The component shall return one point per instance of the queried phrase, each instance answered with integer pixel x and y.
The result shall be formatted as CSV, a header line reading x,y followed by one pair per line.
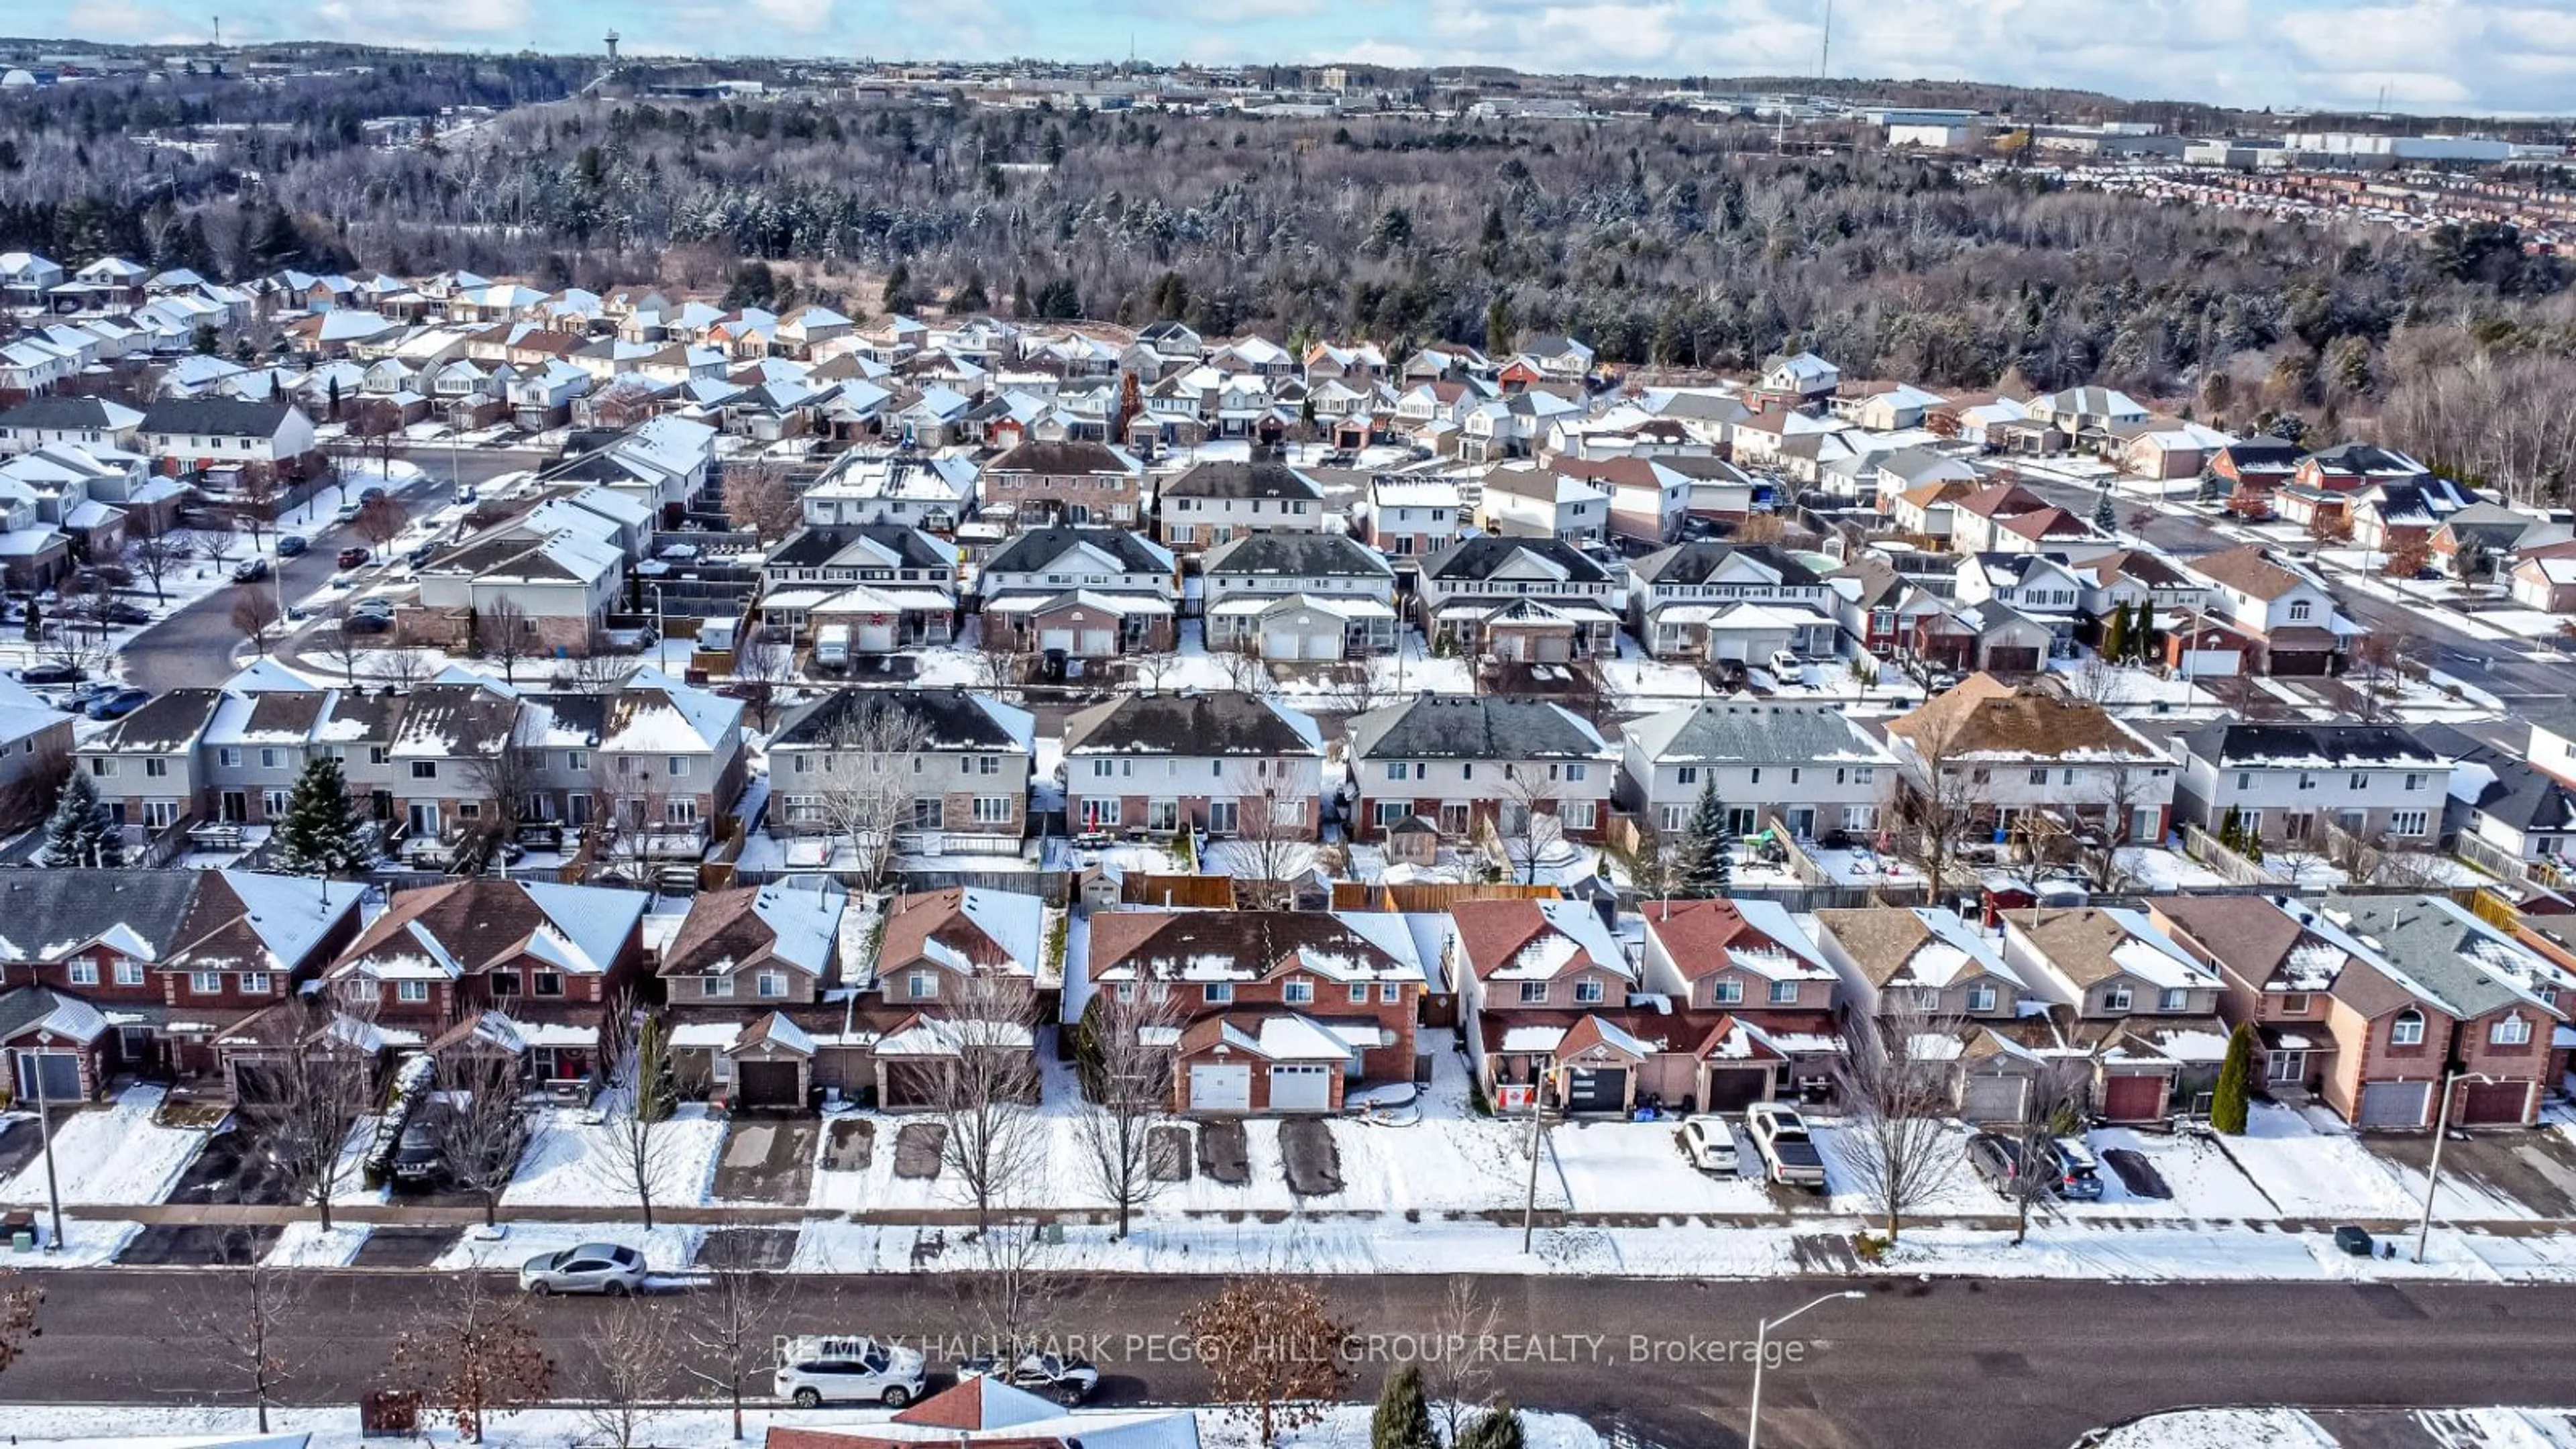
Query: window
x,y
377,754
1399,769
927,812
683,811
1359,993
2116,999
676,766
2039,777
921,985
1981,998
1218,993
2301,611
716,986
1103,769
2174,999
1728,991
255,982
1390,993
273,801
84,973
129,973
1687,774
2407,1029
2406,822
1576,814
2414,782
992,810
2513,1031
102,767
1298,992
230,757
505,983
411,991
549,983
1784,993
2245,779
1574,772
772,985
1533,993
2294,1003
160,814
272,759
424,769
580,760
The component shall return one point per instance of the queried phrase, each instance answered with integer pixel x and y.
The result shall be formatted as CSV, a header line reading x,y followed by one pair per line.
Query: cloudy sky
x,y
2428,55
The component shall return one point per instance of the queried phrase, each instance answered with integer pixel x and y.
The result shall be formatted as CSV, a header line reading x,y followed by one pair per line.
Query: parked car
x,y
1789,1155
52,674
418,1154
250,571
354,557
421,555
466,494
369,495
346,513
1786,667
1997,1159
363,623
2079,1175
1055,1375
292,545
609,1268
847,1369
118,611
119,704
378,607
1710,1141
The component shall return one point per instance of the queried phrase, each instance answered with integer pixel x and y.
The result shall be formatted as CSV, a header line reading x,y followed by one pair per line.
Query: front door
x,y
235,807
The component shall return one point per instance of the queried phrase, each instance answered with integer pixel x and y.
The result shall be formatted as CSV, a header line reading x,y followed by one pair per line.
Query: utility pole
x,y
1529,1201
45,1131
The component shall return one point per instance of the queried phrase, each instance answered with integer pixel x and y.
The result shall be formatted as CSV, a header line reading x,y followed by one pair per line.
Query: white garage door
x,y
2395,1104
1220,1089
1992,1099
1281,644
1056,639
1099,643
1301,1089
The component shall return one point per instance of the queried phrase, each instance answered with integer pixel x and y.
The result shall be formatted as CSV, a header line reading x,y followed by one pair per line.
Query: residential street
x,y
195,645
1976,1365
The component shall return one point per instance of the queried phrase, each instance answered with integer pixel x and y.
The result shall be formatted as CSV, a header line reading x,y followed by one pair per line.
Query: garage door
x,y
2395,1104
1596,1089
2495,1102
915,1084
1281,644
2134,1098
1301,1089
1731,1091
1056,639
1220,1089
1994,1099
768,1084
1099,643
60,1072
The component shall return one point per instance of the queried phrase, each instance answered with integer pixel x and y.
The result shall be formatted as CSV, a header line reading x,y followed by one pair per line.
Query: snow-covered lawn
x,y
575,1161
2205,1184
2315,1172
2221,1429
1961,1191
1638,1167
310,1245
87,1243
113,1156
2157,871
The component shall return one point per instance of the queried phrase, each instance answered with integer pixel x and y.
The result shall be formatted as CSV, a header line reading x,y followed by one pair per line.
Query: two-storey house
x,y
1412,518
2291,784
2507,999
1088,593
1470,764
1299,596
1207,504
537,951
2142,1007
1806,768
1729,601
1541,500
1534,600
2286,613
1222,764
1040,484
970,790
934,494
744,967
2000,752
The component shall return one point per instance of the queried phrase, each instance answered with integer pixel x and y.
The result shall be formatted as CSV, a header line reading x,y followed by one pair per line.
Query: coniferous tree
x,y
1708,859
1497,1428
1403,1418
2231,830
2228,1106
80,832
319,835
2115,636
2105,517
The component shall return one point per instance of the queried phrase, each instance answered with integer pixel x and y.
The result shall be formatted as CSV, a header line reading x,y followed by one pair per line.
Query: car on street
x,y
292,545
369,494
610,1268
354,557
250,571
421,555
1058,1376
52,674
119,704
346,513
847,1369
1789,1155
1710,1141
118,611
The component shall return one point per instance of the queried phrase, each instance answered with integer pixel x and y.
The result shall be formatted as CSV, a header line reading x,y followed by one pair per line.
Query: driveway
x,y
2534,1168
767,1160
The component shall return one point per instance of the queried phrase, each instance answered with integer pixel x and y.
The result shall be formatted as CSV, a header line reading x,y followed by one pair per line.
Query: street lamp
x,y
1761,1351
2433,1173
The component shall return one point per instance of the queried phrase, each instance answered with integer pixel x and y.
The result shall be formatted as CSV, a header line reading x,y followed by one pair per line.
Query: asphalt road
x,y
195,645
1976,1365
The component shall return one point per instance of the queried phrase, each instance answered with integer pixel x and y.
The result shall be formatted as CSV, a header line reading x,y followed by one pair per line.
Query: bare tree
x,y
599,666
340,643
506,778
731,1321
1271,1348
254,613
380,521
2375,676
317,1063
639,1096
1655,869
403,668
756,497
244,1331
994,1145
217,537
1273,843
1528,825
1125,1057
867,785
473,1354
1894,1083
255,509
1000,660
762,666
1152,664
483,1125
1458,1382
2124,791
1363,684
157,557
1014,1288
1934,801
1240,659
2046,1107
634,1357
2095,681
505,634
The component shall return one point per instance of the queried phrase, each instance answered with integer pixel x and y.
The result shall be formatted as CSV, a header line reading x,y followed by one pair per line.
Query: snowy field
x,y
2221,1429
574,1162
115,1157
2310,1170
126,1426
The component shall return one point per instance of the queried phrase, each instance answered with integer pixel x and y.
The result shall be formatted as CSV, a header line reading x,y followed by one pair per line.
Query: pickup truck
x,y
1789,1155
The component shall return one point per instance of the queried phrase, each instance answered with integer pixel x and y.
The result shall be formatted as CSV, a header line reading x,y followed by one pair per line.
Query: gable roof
x,y
1535,940
1186,945
1297,555
1984,718
1729,731
216,416
1704,937
2251,570
1034,550
44,915
1227,724
953,718
1475,727
1228,478
1479,558
1698,562
1898,946
458,930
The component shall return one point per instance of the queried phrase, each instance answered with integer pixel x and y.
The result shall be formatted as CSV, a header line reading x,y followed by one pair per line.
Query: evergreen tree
x,y
2231,830
2115,636
319,834
970,298
1497,1428
1403,1419
1708,857
2212,487
2144,644
80,832
898,289
2105,517
2227,1106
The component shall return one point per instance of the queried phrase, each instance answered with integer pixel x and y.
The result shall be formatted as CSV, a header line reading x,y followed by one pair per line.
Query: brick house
x,y
739,957
2006,753
1073,482
1220,764
1470,763
1209,503
1280,1011
2126,995
540,952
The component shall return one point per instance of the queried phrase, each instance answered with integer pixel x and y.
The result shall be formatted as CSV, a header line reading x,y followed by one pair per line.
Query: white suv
x,y
847,1370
